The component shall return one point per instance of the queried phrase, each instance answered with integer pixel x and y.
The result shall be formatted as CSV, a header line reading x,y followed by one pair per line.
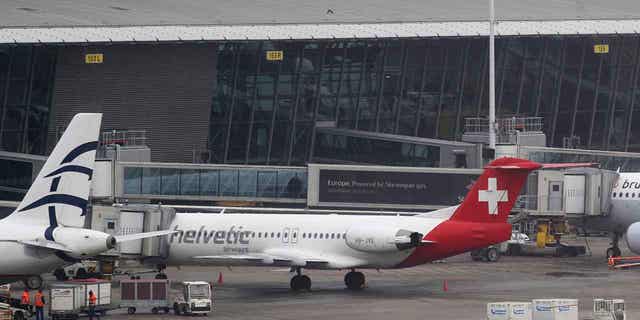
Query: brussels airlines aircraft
x,y
46,230
353,242
624,214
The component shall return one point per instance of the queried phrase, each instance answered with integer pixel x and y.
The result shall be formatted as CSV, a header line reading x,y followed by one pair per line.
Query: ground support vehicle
x,y
196,298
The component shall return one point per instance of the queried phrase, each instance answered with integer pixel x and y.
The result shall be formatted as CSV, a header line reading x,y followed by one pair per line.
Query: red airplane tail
x,y
494,193
481,219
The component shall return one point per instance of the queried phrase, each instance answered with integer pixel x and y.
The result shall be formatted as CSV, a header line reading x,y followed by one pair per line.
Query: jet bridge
x,y
571,193
134,218
555,197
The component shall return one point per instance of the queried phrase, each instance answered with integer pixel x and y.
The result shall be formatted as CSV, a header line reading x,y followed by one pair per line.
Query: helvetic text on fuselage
x,y
233,236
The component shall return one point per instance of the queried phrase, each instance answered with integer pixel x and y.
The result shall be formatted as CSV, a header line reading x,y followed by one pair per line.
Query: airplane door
x,y
285,235
294,235
555,196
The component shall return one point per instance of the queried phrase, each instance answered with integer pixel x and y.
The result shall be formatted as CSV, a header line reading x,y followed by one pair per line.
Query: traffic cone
x,y
220,281
445,286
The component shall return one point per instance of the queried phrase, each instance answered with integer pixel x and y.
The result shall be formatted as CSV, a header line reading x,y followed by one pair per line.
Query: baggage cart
x,y
66,301
149,294
102,290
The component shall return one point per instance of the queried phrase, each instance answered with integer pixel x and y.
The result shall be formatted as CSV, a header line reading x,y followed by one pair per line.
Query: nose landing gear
x,y
300,281
614,250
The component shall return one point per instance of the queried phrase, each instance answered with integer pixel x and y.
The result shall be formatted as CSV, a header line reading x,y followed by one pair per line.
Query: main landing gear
x,y
300,281
354,280
614,250
161,275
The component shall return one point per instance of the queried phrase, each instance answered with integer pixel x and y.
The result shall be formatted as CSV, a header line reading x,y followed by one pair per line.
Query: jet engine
x,y
633,237
84,242
382,239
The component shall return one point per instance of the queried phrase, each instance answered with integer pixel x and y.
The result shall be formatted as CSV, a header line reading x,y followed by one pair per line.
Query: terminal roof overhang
x,y
329,31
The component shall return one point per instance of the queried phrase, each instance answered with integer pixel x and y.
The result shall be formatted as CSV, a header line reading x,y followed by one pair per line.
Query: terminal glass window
x,y
269,111
335,147
26,85
219,184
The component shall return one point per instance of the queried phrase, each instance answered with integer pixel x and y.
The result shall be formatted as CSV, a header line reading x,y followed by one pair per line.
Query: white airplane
x,y
349,241
46,230
624,214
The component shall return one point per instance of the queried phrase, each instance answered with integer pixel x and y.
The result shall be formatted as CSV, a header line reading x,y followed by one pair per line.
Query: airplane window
x,y
333,236
295,235
326,235
272,234
614,194
315,235
304,235
286,234
337,236
344,236
278,234
321,236
627,195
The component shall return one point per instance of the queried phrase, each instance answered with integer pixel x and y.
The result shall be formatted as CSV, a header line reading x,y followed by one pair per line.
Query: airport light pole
x,y
492,77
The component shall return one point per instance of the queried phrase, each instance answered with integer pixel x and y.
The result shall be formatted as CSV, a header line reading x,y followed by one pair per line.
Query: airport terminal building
x,y
290,84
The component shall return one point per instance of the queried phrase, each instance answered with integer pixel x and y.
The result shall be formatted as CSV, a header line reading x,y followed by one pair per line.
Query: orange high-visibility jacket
x,y
25,298
39,303
92,299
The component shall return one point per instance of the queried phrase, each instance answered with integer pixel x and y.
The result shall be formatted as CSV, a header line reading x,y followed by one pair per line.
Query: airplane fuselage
x,y
625,202
318,237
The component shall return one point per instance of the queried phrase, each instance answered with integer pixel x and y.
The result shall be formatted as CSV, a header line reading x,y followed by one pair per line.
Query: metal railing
x,y
504,125
124,137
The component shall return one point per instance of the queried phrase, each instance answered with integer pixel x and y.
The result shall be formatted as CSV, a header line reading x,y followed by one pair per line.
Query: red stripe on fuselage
x,y
454,237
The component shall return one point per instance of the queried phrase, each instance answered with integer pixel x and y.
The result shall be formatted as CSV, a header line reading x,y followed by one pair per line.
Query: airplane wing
x,y
46,244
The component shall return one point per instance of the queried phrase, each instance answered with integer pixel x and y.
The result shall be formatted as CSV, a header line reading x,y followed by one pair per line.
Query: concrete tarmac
x,y
414,293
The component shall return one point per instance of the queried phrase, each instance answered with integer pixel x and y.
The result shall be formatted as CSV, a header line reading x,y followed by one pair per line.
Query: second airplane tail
x,y
60,192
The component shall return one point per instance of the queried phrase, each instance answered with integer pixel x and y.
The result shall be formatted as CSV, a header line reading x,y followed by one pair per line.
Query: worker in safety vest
x,y
39,303
92,305
25,300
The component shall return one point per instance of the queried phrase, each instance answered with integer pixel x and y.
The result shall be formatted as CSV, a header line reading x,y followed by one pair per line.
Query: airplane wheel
x,y
33,282
161,276
176,309
131,310
18,316
305,282
493,255
60,274
613,252
296,283
354,280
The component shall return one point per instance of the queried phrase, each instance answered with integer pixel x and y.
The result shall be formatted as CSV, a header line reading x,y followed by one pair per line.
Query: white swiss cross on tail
x,y
492,196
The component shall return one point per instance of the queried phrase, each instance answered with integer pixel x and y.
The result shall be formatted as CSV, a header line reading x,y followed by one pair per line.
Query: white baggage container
x,y
101,288
555,309
65,300
609,309
509,311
